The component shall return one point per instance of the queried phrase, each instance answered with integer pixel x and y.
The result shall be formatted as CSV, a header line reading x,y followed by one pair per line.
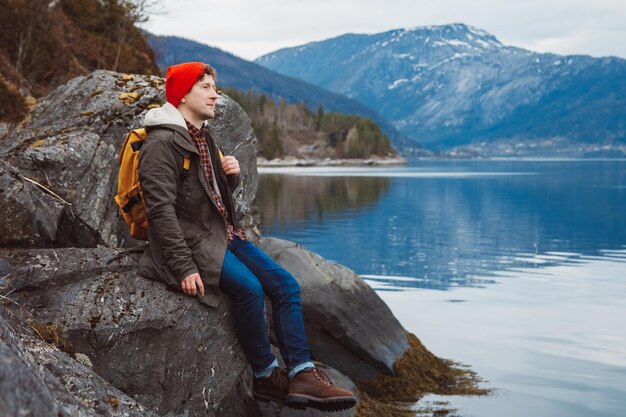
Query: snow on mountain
x,y
451,85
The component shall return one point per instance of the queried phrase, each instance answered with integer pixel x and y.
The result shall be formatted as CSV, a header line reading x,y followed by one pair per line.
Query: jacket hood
x,y
164,115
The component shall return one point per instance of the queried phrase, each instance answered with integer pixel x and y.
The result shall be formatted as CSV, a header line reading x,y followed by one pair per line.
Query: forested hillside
x,y
45,43
295,130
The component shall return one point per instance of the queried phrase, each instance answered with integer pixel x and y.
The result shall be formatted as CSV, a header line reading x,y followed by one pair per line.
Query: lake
x,y
514,267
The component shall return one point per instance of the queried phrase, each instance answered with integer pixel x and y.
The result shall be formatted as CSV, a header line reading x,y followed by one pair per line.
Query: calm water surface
x,y
517,268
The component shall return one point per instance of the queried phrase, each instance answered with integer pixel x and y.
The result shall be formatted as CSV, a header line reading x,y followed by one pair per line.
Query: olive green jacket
x,y
186,232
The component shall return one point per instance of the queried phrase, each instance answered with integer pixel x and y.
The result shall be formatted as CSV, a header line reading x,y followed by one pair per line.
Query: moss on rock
x,y
417,372
369,407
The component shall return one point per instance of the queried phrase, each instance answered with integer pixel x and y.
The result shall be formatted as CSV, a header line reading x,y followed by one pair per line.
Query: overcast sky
x,y
251,28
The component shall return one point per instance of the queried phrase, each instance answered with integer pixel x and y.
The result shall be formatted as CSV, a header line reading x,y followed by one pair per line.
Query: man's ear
x,y
182,100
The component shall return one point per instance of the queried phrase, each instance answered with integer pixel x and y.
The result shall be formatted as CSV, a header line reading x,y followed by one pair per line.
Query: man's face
x,y
201,99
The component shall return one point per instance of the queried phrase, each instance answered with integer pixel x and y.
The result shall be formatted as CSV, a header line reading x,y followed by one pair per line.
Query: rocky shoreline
x,y
83,334
329,162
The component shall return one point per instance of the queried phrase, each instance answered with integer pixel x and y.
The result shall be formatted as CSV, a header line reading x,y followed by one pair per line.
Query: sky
x,y
252,28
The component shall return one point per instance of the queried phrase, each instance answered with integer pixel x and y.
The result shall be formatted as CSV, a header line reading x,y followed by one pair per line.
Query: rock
x,y
291,161
32,215
348,326
39,380
168,351
70,146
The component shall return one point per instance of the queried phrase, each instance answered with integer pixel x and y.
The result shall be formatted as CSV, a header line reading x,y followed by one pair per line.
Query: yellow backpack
x,y
129,196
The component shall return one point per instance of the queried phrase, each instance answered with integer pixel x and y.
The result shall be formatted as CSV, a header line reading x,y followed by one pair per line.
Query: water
x,y
517,268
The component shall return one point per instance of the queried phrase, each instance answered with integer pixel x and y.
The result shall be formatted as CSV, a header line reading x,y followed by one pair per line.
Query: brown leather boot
x,y
271,388
313,388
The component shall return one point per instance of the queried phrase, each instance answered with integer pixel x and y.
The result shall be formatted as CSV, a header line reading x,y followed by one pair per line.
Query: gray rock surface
x,y
39,380
70,146
30,215
167,350
348,326
174,355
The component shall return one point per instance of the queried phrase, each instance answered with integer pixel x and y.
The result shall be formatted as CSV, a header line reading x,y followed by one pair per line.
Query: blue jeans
x,y
247,275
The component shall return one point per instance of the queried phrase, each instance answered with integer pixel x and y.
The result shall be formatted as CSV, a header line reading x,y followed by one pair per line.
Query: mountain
x,y
238,73
452,85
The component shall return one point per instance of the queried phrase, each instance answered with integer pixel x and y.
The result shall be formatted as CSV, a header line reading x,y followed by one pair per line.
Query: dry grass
x,y
51,333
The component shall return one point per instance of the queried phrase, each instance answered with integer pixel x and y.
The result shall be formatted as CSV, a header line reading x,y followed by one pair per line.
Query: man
x,y
196,245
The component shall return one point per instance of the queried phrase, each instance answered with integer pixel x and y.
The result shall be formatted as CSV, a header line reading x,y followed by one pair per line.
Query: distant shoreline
x,y
521,158
328,162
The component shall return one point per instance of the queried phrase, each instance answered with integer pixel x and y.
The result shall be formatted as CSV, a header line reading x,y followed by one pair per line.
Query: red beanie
x,y
180,78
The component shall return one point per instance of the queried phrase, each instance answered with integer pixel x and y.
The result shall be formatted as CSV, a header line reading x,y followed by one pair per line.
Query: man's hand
x,y
189,285
230,165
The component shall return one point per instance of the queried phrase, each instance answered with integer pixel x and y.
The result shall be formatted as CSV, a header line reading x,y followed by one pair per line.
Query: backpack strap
x,y
186,165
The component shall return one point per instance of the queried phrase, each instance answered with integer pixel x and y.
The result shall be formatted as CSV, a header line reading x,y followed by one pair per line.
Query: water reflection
x,y
551,340
548,334
286,200
438,231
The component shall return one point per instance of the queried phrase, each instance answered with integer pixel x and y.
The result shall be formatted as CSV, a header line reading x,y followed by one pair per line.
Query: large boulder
x,y
39,380
348,326
58,187
175,355
168,351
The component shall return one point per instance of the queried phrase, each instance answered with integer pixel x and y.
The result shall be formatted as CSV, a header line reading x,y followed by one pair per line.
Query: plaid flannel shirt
x,y
199,139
